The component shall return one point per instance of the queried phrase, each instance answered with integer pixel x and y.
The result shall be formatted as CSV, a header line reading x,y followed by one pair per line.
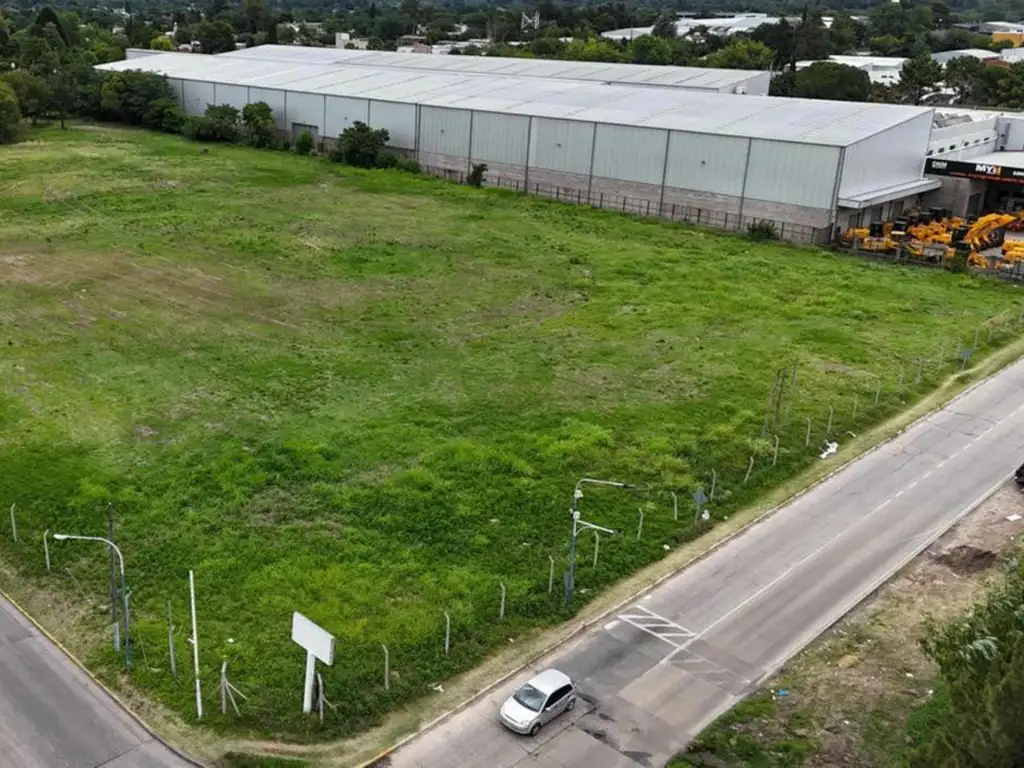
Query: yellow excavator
x,y
987,232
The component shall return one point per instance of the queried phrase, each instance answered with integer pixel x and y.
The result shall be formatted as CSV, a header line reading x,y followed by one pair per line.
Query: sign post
x,y
319,644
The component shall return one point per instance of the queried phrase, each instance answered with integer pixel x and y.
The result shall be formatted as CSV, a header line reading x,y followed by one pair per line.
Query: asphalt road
x,y
666,666
52,715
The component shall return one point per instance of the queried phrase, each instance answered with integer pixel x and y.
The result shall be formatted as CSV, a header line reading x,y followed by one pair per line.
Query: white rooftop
x,y
977,53
832,123
894,62
634,74
727,25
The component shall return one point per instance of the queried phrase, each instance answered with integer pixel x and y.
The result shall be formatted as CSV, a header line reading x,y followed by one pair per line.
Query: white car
x,y
538,702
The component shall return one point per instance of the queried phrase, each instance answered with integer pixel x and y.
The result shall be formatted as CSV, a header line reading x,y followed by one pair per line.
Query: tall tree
x,y
664,25
741,54
919,76
966,76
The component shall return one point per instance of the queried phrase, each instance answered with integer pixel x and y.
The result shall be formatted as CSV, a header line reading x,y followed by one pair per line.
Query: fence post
x,y
501,611
170,641
673,211
447,632
387,668
551,574
597,546
831,413
807,440
675,504
14,523
46,548
775,453
640,526
714,483
750,468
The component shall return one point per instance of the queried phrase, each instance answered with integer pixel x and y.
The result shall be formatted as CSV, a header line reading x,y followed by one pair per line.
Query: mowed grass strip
x,y
366,396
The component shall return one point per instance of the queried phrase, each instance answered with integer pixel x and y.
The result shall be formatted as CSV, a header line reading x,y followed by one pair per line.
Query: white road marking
x,y
664,629
611,624
789,571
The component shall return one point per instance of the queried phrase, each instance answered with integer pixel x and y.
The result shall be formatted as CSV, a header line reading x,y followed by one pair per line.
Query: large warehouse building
x,y
722,159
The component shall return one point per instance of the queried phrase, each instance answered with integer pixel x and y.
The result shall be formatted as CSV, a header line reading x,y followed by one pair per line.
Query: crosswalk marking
x,y
664,629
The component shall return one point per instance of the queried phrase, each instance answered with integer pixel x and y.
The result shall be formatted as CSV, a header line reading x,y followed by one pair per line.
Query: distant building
x,y
944,57
882,70
721,26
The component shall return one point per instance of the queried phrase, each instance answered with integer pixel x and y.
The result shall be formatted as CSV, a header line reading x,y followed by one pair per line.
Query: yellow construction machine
x,y
937,237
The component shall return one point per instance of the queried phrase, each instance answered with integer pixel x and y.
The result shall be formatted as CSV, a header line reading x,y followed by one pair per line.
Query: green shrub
x,y
10,115
164,115
477,175
127,96
762,230
304,144
224,120
409,164
258,119
286,144
199,128
359,145
387,160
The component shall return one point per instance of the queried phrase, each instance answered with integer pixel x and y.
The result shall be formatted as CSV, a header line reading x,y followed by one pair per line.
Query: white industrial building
x,y
721,159
882,70
723,26
742,81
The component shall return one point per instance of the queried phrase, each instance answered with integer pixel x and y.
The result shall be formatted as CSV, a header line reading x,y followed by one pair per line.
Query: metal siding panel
x,y
305,109
342,112
705,163
179,91
274,100
235,95
561,145
634,154
399,119
796,174
444,131
889,159
197,97
500,138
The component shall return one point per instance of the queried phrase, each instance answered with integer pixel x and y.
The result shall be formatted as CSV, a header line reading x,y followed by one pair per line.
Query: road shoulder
x,y
860,694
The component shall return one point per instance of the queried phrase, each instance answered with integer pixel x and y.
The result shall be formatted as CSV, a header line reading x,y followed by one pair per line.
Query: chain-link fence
x,y
643,206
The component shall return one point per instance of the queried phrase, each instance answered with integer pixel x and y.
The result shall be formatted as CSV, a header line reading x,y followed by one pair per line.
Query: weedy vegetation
x,y
367,395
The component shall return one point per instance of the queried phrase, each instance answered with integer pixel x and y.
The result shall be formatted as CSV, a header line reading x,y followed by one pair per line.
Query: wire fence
x,y
644,206
798,428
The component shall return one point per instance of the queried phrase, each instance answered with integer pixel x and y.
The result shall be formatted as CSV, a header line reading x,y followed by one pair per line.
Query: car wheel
x,y
535,729
572,703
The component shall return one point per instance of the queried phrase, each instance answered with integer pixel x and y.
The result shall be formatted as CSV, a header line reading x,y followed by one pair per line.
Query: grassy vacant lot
x,y
367,396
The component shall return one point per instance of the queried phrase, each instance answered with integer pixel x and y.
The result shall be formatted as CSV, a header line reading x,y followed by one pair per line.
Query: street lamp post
x,y
578,524
124,589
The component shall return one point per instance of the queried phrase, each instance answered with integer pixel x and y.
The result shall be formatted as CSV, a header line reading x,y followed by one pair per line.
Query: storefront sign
x,y
977,171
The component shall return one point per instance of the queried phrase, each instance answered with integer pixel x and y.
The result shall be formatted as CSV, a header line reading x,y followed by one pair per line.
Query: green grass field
x,y
366,396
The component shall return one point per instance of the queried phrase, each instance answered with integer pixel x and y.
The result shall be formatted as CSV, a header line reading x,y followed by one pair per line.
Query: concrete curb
x,y
600,619
101,685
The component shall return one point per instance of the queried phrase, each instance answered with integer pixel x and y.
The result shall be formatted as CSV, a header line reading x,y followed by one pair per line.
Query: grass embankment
x,y
367,396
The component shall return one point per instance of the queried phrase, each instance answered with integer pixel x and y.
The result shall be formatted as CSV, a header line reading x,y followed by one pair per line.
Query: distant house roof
x,y
978,53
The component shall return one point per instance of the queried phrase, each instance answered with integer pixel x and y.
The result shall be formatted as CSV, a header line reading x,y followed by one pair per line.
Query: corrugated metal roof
x,y
681,77
833,123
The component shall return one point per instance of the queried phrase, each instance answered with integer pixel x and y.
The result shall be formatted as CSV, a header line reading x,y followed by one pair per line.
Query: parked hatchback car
x,y
538,702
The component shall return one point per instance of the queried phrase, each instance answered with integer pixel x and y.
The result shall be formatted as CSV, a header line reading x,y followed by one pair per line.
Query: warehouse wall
x,y
721,181
887,159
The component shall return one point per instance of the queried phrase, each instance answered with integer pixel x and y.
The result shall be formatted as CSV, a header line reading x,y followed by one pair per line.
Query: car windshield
x,y
530,698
